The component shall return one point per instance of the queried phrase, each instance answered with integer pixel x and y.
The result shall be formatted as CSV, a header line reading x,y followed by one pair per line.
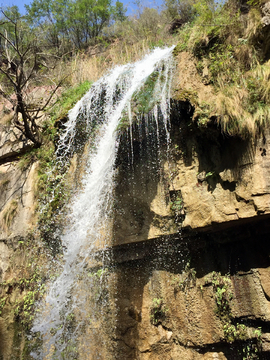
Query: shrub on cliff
x,y
229,43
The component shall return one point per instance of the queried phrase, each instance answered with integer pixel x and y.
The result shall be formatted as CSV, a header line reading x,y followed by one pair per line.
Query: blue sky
x,y
129,4
19,3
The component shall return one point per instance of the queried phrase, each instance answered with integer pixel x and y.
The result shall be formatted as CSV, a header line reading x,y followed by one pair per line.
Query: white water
x,y
89,210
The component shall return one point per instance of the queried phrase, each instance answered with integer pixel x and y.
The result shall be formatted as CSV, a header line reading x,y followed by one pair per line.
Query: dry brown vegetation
x,y
231,47
8,214
129,41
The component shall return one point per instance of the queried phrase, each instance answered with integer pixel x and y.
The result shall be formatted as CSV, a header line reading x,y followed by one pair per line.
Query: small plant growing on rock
x,y
189,279
177,206
158,311
222,293
235,332
250,338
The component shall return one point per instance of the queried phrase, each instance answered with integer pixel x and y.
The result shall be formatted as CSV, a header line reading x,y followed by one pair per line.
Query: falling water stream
x,y
88,227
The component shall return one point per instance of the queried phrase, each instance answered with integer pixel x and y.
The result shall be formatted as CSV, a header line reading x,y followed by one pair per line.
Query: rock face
x,y
171,283
18,259
191,244
17,199
189,262
211,177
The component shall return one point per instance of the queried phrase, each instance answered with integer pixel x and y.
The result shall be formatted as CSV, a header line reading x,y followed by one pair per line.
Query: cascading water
x,y
102,108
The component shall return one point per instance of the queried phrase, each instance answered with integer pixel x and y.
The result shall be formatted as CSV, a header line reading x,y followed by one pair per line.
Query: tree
x,y
76,22
181,9
22,61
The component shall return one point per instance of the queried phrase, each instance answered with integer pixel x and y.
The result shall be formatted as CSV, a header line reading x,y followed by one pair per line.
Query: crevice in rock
x,y
260,194
127,329
253,322
231,351
145,351
117,340
228,185
165,327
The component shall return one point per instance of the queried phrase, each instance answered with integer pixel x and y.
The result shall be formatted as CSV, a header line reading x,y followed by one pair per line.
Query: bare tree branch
x,y
22,57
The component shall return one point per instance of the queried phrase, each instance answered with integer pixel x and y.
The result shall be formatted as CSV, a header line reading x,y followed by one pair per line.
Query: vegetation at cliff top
x,y
61,44
231,50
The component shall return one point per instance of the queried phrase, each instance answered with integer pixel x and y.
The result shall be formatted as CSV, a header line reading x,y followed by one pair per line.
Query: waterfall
x,y
104,107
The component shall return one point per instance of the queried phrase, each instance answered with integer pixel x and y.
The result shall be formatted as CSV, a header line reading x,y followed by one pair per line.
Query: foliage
x,y
68,99
222,292
147,29
2,303
148,23
78,22
251,339
158,311
184,9
144,99
176,205
225,42
234,332
99,280
189,277
27,282
25,308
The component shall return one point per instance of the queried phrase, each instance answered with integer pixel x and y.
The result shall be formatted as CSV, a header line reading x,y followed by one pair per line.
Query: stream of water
x,y
89,219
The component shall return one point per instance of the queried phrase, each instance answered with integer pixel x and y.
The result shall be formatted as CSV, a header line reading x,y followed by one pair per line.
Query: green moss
x,y
68,99
143,100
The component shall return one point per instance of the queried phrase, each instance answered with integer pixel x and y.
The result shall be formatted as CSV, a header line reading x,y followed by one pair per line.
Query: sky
x,y
19,3
131,7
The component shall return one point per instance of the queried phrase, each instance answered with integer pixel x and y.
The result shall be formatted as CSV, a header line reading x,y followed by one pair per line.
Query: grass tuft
x,y
9,213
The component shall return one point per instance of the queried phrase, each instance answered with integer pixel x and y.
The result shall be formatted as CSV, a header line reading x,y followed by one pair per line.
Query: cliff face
x,y
191,240
189,257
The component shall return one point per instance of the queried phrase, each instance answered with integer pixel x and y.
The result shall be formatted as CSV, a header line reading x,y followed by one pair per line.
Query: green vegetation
x,y
250,338
186,280
68,99
77,22
189,279
25,307
158,311
2,304
52,188
99,282
27,285
223,294
230,47
144,100
176,204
